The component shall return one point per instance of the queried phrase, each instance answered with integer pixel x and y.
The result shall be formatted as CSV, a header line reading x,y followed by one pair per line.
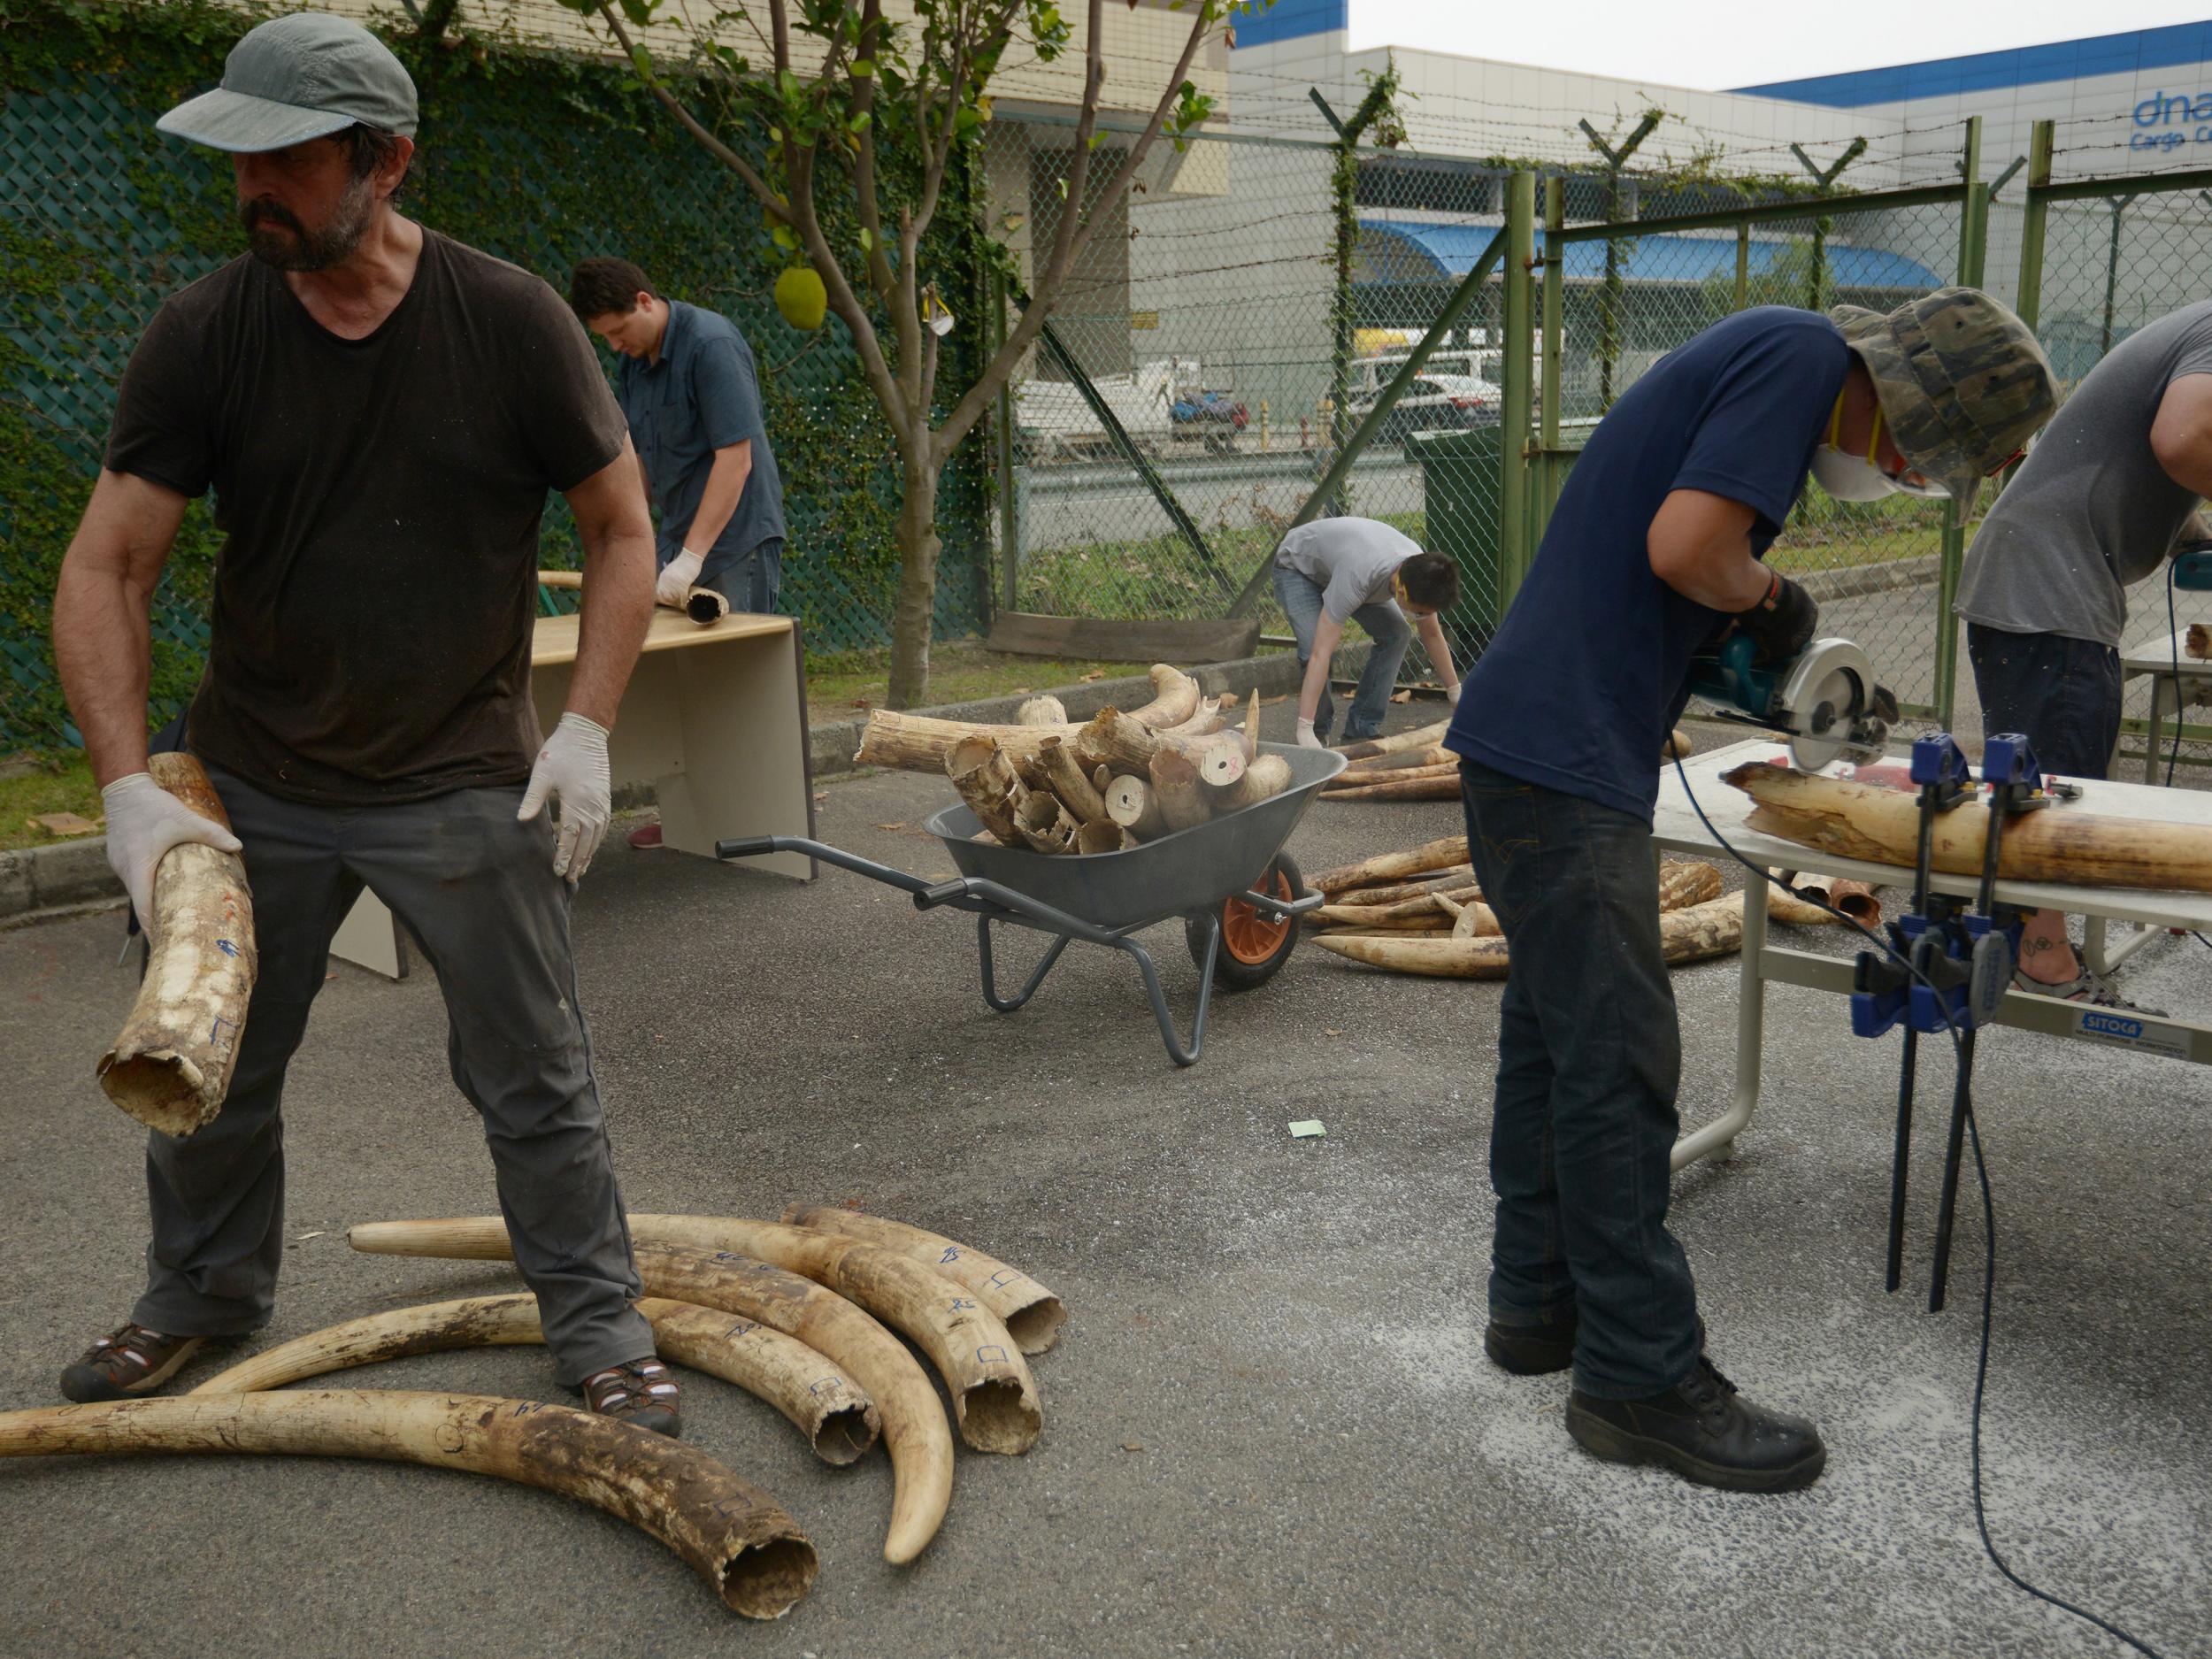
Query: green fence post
x,y
1743,267
1554,350
1973,242
1003,442
2033,219
1513,546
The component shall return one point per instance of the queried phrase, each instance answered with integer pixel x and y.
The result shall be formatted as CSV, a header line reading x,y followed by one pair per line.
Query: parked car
x,y
1434,401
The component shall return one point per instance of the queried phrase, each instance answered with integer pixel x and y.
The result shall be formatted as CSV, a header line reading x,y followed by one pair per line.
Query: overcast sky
x,y
1711,44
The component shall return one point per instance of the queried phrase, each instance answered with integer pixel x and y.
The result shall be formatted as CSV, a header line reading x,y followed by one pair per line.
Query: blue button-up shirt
x,y
703,395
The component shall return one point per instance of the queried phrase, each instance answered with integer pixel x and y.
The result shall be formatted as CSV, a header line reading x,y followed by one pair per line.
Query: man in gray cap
x,y
380,412
1656,547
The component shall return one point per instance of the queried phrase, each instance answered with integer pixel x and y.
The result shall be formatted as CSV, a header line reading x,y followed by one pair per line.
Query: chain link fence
x,y
539,162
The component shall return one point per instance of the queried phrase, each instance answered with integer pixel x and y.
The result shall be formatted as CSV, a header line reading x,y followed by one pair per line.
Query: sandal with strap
x,y
2085,987
129,1360
642,1394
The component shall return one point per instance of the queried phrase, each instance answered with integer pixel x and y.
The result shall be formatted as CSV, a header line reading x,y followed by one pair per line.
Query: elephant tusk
x,y
1034,1314
731,1533
914,1430
826,1405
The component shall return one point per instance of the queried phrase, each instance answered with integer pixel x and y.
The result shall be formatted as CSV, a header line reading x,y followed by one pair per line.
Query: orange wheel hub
x,y
1251,937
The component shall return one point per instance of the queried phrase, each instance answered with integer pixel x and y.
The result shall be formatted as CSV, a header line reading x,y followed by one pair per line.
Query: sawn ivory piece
x,y
1033,1314
918,743
170,1068
732,1533
828,1407
1855,820
914,1430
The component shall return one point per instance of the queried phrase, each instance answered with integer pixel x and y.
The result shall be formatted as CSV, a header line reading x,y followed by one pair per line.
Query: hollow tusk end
x,y
767,1580
844,1436
1000,1415
1036,1328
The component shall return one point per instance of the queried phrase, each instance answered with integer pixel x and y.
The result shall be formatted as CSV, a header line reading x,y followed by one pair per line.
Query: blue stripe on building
x,y
1413,251
1983,72
1288,19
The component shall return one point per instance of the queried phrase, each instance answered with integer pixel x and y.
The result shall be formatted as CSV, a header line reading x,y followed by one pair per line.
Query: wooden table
x,y
1676,825
714,718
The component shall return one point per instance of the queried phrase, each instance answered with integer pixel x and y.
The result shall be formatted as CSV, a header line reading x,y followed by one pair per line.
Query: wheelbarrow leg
x,y
1006,1005
1176,1051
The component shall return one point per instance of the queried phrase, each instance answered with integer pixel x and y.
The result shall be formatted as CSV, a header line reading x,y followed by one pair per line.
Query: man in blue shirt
x,y
1654,549
692,396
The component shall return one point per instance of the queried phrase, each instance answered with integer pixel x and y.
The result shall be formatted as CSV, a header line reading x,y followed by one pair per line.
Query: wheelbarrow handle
x,y
753,846
929,898
1282,910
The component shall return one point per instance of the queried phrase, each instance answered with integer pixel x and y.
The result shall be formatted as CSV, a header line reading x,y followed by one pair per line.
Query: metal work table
x,y
1675,826
2178,679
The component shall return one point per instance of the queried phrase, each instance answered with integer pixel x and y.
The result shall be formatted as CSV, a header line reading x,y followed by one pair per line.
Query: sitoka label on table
x,y
2124,1031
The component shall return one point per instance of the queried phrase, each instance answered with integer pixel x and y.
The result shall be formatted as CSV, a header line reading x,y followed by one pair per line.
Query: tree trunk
x,y
916,535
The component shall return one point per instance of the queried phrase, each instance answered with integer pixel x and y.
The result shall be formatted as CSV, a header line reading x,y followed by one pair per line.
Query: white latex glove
x,y
572,769
144,822
1306,739
678,578
1451,696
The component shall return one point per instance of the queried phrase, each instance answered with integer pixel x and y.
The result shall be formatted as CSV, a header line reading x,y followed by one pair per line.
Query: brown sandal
x,y
130,1360
642,1394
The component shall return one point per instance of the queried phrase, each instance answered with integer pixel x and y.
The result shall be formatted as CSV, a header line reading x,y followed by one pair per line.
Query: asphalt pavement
x,y
1270,1428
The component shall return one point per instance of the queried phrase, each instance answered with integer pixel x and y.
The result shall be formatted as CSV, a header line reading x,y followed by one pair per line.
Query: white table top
x,y
1676,825
2159,656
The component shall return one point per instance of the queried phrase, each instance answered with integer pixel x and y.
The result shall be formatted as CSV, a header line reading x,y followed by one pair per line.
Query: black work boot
x,y
1704,1430
1532,1350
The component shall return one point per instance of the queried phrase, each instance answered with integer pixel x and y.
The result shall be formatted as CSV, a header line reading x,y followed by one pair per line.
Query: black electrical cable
x,y
1989,1219
2173,645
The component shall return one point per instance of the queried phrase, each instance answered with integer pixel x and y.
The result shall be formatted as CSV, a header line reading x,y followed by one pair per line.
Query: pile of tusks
x,y
1421,911
800,1313
1102,786
1416,766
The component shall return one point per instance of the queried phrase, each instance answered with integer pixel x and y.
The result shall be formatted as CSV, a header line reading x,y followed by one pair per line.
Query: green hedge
x,y
539,158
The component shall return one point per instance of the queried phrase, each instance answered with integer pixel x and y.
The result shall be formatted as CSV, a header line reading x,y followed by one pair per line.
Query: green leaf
x,y
867,240
862,67
640,12
860,122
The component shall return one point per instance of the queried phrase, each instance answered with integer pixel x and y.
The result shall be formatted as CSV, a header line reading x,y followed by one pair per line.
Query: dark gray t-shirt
x,y
1350,560
2091,511
380,499
703,395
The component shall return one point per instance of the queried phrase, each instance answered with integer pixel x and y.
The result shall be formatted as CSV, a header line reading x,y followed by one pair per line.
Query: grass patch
x,y
845,685
47,786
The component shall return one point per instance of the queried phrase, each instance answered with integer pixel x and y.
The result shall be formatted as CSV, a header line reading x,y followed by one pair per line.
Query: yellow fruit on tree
x,y
801,297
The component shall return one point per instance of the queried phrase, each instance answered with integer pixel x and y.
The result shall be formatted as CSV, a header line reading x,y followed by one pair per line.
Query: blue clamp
x,y
2007,759
1940,764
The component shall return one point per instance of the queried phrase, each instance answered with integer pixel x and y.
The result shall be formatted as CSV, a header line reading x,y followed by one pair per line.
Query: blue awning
x,y
1406,251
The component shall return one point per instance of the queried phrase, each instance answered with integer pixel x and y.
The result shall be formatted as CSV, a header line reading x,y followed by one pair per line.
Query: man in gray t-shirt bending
x,y
2099,503
1336,571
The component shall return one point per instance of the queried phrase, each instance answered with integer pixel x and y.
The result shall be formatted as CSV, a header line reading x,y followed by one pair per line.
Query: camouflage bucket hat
x,y
1962,382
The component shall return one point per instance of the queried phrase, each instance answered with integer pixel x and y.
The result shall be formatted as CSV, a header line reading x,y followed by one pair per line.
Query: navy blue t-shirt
x,y
703,395
1591,666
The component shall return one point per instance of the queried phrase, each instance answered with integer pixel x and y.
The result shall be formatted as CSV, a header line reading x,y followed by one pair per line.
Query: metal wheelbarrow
x,y
1238,892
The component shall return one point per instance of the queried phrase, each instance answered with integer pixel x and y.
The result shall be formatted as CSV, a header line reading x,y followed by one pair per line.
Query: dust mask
x,y
1851,477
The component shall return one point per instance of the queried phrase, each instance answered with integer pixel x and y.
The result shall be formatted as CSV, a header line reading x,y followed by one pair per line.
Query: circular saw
x,y
1826,700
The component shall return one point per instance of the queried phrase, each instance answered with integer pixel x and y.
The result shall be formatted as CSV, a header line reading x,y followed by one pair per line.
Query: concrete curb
x,y
1872,579
36,882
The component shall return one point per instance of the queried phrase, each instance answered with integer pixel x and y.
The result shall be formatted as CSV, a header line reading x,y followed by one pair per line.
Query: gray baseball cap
x,y
295,78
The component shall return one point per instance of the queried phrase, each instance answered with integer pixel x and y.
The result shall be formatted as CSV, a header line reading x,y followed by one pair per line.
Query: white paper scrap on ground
x,y
1307,1128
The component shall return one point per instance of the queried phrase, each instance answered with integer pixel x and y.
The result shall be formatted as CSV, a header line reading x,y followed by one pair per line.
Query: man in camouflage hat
x,y
1655,548
2108,496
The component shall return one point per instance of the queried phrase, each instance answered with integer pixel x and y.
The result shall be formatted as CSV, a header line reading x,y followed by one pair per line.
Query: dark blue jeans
x,y
2062,694
752,581
1589,1056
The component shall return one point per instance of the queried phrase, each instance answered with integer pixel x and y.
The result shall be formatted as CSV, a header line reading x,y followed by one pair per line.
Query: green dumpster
x,y
1460,475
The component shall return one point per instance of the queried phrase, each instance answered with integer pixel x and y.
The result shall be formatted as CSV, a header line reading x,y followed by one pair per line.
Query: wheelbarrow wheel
x,y
1254,947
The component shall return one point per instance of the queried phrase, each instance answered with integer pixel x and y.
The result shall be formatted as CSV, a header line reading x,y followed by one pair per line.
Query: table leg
x,y
2163,686
1719,1136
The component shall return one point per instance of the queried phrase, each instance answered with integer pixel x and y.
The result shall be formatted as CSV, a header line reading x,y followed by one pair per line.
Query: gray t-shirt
x,y
1350,560
2091,511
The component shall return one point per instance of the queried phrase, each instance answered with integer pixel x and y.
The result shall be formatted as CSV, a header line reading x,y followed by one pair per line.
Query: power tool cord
x,y
1989,1211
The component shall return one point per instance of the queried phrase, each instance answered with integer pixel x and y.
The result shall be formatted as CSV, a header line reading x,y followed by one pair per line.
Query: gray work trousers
x,y
478,891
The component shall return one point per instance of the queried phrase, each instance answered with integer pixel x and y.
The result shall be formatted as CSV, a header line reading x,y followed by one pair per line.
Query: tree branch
x,y
1000,368
871,210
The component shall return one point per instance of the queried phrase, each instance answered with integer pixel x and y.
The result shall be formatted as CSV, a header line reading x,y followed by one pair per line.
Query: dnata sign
x,y
2168,120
